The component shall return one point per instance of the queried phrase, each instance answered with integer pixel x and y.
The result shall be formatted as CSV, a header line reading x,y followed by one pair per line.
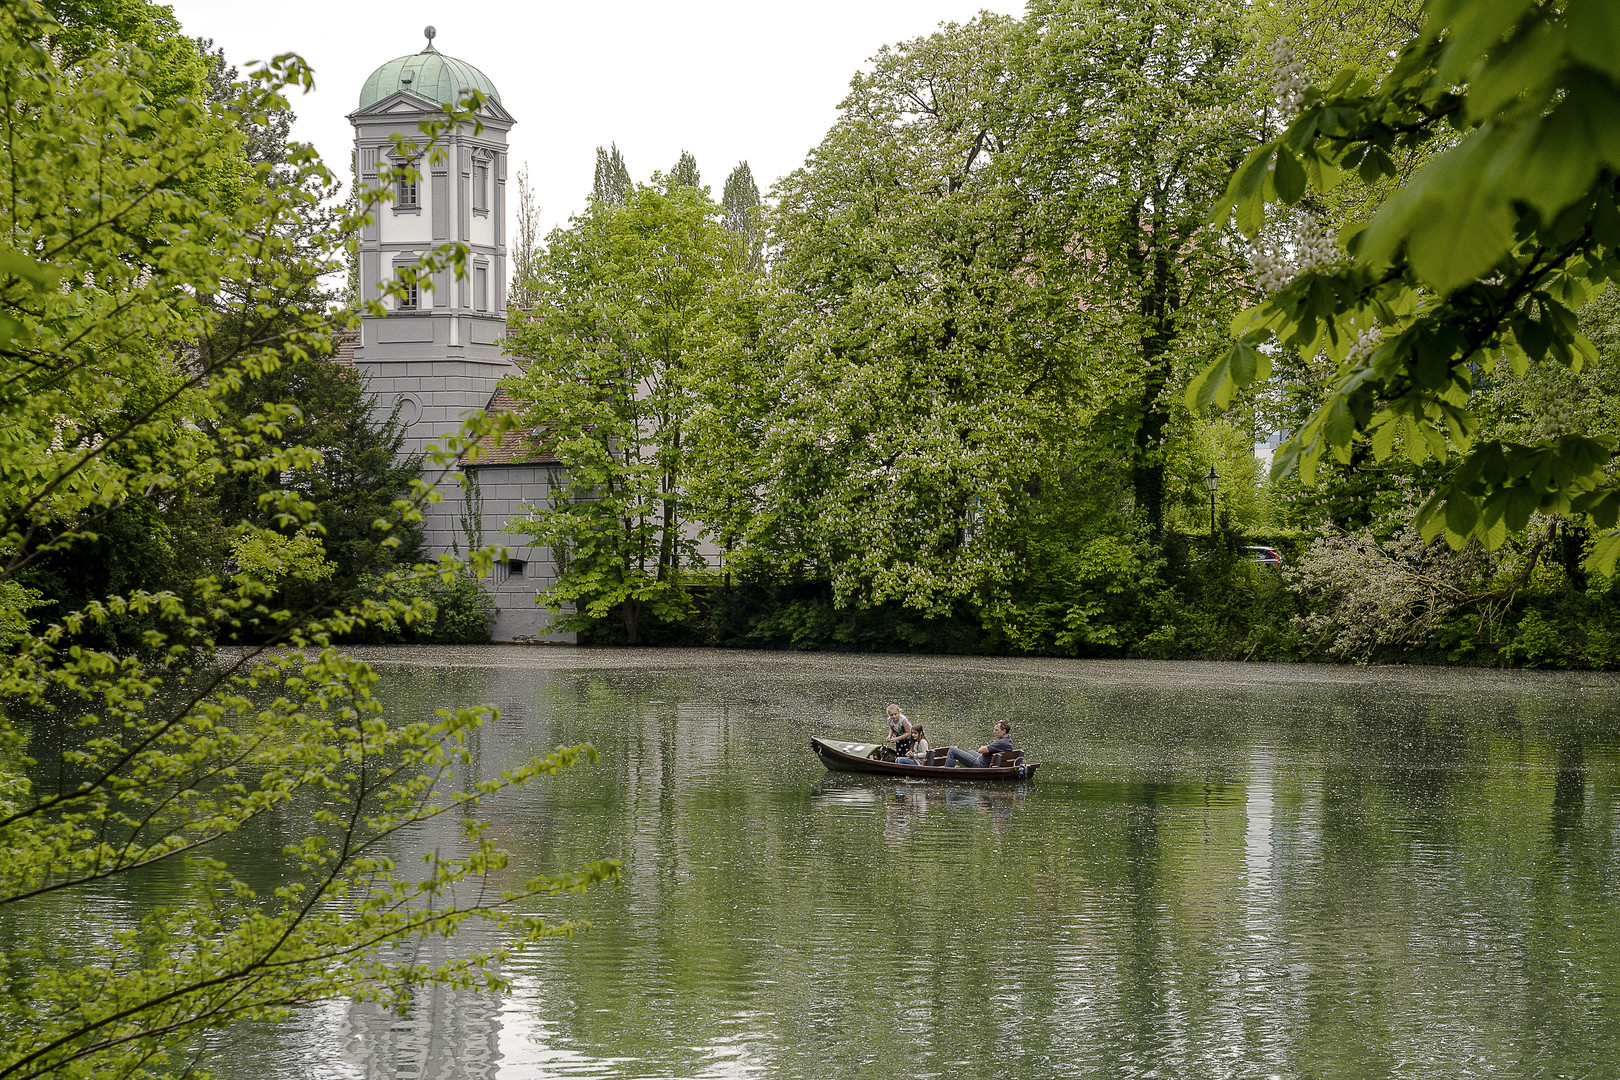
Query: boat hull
x,y
838,759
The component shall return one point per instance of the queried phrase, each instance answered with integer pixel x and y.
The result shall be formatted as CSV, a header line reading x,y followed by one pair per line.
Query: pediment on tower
x,y
399,103
405,103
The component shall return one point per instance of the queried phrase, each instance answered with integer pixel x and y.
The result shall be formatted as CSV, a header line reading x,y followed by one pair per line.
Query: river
x,y
1223,870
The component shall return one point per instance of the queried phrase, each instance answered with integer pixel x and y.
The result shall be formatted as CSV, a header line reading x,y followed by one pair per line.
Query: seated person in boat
x,y
1000,744
900,735
918,754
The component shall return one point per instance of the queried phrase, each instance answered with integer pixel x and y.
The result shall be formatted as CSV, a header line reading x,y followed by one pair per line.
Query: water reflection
x,y
1222,871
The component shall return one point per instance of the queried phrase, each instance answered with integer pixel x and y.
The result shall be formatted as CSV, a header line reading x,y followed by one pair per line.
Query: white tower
x,y
436,355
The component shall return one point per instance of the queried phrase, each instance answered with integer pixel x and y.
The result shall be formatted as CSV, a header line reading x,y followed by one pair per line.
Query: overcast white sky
x,y
728,80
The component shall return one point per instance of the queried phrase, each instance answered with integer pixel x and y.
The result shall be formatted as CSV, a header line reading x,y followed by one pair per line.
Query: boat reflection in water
x,y
906,803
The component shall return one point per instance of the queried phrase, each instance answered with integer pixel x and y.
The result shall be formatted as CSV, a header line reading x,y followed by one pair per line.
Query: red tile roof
x,y
343,348
520,446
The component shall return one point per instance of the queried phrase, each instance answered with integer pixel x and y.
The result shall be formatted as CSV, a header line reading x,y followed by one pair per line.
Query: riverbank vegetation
x,y
969,398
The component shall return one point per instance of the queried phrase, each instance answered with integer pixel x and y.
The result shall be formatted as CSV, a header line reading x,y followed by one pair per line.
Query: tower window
x,y
407,192
481,288
407,300
481,186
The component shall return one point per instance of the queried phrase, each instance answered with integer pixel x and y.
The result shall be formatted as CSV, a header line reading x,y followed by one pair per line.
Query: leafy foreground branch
x,y
149,270
1472,272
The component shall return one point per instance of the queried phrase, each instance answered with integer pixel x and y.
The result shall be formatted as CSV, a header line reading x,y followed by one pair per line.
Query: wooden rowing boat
x,y
840,756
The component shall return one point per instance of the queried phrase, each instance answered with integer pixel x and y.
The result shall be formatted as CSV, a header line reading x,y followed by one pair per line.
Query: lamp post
x,y
1211,482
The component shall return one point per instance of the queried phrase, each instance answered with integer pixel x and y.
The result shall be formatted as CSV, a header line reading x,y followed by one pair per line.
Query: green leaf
x,y
1522,502
1454,224
1340,426
1288,176
1594,33
1552,161
1462,514
1251,206
1602,505
1604,555
1383,439
1528,63
1211,386
42,277
1417,447
1606,219
1429,520
1473,28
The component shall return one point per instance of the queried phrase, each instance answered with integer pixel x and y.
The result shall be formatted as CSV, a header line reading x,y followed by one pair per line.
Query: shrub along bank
x,y
1339,597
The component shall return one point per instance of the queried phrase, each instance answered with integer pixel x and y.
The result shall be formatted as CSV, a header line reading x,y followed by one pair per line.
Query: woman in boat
x,y
919,748
1000,744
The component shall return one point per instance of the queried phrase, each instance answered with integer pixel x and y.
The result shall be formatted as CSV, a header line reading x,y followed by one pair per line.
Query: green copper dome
x,y
429,74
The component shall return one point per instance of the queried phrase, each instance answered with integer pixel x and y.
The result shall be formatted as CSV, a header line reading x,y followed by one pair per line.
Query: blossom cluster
x,y
1313,249
1289,72
1365,343
1273,269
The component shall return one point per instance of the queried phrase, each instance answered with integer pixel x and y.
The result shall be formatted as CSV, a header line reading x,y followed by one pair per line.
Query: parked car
x,y
1265,556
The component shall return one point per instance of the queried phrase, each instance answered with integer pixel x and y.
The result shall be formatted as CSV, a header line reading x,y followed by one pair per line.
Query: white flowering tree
x,y
994,275
916,373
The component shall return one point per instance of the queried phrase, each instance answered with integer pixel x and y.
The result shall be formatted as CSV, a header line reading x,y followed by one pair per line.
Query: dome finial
x,y
430,34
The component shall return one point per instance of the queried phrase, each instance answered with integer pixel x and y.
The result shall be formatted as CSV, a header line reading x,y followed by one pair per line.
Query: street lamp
x,y
1211,482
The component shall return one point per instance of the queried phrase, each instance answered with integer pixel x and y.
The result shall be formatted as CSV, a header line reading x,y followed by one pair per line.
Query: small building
x,y
436,354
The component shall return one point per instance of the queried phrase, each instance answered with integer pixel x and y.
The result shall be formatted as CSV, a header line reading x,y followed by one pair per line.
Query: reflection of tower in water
x,y
444,1034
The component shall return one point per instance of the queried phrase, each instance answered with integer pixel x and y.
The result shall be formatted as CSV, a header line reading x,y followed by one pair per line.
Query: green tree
x,y
612,183
172,66
355,481
685,172
526,243
117,243
1145,112
744,211
1482,259
916,378
623,320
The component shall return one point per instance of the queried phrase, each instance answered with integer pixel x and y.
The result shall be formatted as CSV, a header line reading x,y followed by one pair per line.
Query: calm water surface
x,y
1224,870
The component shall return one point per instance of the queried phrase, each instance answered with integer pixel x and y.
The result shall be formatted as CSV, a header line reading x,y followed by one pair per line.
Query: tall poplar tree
x,y
612,183
526,242
685,173
744,211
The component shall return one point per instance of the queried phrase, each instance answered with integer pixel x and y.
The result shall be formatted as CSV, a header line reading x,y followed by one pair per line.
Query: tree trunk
x,y
1160,299
1147,488
630,614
